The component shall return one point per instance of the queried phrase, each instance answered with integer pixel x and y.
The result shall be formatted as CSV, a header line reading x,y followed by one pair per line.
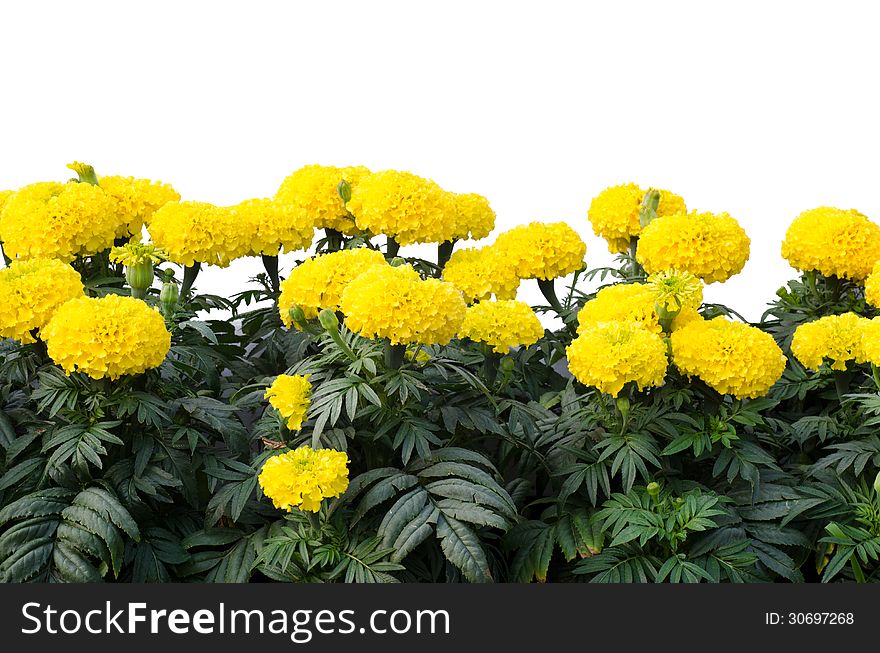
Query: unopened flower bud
x,y
139,277
328,320
169,296
297,315
344,190
397,261
506,364
84,172
654,489
623,406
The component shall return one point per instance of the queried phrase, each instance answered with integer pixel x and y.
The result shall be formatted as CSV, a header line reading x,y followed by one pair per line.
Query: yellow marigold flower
x,y
711,246
675,290
502,325
107,336
474,218
481,273
872,286
408,208
136,253
55,220
30,293
608,355
191,232
310,196
4,195
318,282
623,302
837,338
870,345
541,250
291,397
395,303
614,213
731,357
687,316
304,477
136,201
834,242
268,225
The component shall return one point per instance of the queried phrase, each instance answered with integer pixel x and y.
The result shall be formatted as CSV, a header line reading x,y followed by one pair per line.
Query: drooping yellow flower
x,y
55,220
318,282
107,336
481,273
267,226
541,250
501,325
833,242
731,357
408,208
395,303
614,213
474,218
30,293
136,201
192,232
290,395
304,477
837,338
872,286
711,246
675,291
636,302
310,195
608,355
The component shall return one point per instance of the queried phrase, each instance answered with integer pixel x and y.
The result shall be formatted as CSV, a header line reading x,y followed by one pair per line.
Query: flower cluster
x,y
502,324
614,213
480,273
107,337
731,357
304,477
474,218
55,220
635,302
711,246
608,355
30,293
833,242
837,338
136,201
198,232
405,207
290,395
318,282
395,303
268,226
541,250
311,196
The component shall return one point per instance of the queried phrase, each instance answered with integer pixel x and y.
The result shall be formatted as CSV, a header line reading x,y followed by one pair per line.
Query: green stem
x,y
548,289
6,259
841,383
334,239
636,271
190,272
490,367
394,355
444,253
340,342
271,265
314,520
875,373
391,248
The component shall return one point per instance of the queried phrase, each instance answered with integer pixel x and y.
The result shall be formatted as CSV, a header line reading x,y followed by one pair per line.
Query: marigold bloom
x,y
481,273
634,302
731,357
870,345
711,246
395,303
136,201
107,336
310,195
267,226
136,253
318,282
304,477
408,208
30,293
541,250
614,213
501,324
55,220
674,290
834,242
474,218
837,338
198,232
290,395
608,355
872,286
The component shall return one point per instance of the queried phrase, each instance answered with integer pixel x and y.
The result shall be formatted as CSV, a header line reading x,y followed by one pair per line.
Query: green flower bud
x,y
623,406
297,315
344,190
877,483
328,320
654,489
139,277
506,364
169,296
397,261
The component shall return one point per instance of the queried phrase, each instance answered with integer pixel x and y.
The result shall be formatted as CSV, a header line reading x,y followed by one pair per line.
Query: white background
x,y
760,109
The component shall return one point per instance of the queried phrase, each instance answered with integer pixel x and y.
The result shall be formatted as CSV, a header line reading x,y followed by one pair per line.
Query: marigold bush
x,y
358,413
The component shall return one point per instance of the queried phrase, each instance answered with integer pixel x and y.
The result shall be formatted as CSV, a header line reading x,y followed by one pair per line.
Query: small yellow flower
x,y
267,226
136,201
135,253
198,232
541,250
291,397
310,196
872,286
614,213
502,325
304,477
675,290
837,338
474,218
481,273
